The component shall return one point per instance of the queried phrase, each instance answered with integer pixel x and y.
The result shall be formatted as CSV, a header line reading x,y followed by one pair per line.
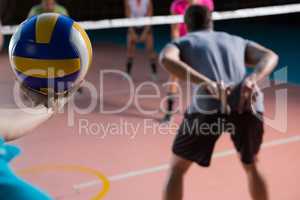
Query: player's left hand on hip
x,y
220,92
212,89
218,89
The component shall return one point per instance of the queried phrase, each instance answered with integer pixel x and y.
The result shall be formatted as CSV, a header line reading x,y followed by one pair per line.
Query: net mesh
x,y
171,19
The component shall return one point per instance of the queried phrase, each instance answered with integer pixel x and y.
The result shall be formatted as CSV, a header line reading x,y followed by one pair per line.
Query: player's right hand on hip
x,y
248,95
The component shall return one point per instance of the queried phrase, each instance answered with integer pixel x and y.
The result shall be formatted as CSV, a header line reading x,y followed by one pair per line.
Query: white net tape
x,y
173,19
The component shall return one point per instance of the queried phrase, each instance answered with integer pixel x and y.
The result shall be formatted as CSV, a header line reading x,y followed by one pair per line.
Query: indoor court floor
x,y
72,163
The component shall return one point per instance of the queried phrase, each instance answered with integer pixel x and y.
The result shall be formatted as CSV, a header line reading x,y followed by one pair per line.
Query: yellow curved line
x,y
41,68
73,168
86,40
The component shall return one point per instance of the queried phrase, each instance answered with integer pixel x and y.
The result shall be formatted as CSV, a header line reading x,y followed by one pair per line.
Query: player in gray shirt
x,y
226,99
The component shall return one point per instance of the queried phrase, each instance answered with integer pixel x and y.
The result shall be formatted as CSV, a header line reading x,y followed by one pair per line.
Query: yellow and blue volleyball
x,y
50,51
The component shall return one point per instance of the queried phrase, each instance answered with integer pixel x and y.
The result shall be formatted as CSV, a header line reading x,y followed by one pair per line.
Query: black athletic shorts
x,y
198,134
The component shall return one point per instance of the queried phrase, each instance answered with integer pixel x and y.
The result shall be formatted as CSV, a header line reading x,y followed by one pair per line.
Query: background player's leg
x,y
172,90
256,183
1,40
151,55
131,45
174,186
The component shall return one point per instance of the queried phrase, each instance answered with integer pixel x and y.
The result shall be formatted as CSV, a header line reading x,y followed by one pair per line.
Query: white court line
x,y
165,167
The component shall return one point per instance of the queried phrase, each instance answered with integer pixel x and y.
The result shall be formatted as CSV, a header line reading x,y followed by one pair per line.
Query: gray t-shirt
x,y
218,56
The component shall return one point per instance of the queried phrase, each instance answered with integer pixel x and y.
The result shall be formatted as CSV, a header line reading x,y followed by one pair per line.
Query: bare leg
x,y
131,44
172,87
172,90
150,46
1,41
256,183
151,54
174,186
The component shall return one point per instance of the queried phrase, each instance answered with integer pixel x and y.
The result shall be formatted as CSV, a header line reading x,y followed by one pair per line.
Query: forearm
x,y
265,66
26,121
262,59
183,71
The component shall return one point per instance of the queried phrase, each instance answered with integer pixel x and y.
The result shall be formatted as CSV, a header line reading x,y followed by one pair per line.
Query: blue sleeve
x,y
11,186
8,152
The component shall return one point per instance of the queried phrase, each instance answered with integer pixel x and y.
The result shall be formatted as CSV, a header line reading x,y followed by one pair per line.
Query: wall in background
x,y
15,11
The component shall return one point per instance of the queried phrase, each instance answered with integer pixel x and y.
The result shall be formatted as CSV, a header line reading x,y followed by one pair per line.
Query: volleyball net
x,y
173,19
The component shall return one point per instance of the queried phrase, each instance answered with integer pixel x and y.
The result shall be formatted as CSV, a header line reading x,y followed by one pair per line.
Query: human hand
x,y
52,101
143,36
220,92
248,94
133,35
